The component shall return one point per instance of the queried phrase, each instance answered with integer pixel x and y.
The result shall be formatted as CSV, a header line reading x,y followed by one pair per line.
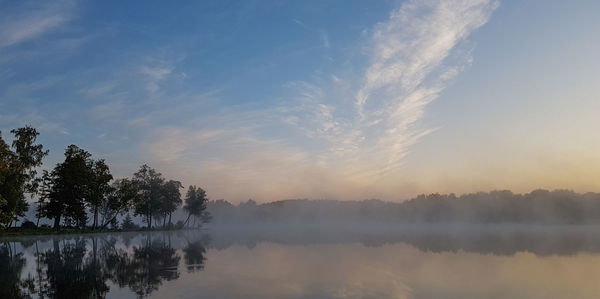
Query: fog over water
x,y
435,261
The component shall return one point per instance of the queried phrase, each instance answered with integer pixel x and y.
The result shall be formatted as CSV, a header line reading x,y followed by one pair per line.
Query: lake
x,y
541,262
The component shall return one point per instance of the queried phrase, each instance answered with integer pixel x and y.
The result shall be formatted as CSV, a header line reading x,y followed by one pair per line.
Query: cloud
x,y
232,164
302,24
325,39
412,60
155,75
333,139
26,23
99,90
106,111
409,68
33,118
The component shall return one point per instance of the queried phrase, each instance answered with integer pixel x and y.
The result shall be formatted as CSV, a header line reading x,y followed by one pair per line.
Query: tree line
x,y
81,191
536,207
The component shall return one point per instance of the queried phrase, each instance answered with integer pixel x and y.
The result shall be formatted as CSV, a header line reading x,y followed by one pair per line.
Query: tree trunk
x,y
105,224
188,219
57,222
95,218
170,224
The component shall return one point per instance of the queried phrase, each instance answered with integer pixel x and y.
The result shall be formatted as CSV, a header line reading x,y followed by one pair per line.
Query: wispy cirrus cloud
x,y
26,22
410,67
334,130
155,75
342,138
412,58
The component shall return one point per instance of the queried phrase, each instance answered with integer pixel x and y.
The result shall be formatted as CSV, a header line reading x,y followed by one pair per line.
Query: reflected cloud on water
x,y
300,264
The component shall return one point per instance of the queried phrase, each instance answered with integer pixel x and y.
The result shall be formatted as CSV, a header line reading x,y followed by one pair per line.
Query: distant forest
x,y
536,207
80,192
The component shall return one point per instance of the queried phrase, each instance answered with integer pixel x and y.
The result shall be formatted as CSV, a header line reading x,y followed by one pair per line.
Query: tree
x,y
150,183
124,193
44,195
72,186
17,172
68,186
98,188
170,199
195,204
128,223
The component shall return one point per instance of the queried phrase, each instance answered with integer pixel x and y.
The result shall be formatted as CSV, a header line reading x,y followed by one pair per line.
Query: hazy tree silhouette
x,y
128,223
537,207
195,204
124,194
170,200
150,183
194,255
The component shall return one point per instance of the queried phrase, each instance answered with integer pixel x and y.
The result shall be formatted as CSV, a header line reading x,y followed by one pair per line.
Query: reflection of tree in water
x,y
144,270
193,255
70,274
11,265
83,267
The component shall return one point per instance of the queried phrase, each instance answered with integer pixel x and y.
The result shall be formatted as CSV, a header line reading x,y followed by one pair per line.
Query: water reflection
x,y
83,267
497,240
194,254
11,266
304,264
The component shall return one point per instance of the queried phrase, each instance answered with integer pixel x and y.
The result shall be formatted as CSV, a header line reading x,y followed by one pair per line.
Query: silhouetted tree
x,y
170,199
99,189
45,192
538,206
195,204
128,223
124,193
150,183
17,172
68,186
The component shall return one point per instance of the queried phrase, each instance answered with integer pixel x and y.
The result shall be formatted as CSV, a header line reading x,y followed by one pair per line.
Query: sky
x,y
342,100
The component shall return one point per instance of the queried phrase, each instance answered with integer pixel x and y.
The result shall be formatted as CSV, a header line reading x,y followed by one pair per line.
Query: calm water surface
x,y
552,263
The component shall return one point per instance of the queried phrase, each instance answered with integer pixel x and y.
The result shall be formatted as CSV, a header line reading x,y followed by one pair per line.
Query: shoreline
x,y
21,232
328,228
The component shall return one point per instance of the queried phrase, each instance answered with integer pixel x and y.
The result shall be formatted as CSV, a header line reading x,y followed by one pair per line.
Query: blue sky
x,y
320,99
